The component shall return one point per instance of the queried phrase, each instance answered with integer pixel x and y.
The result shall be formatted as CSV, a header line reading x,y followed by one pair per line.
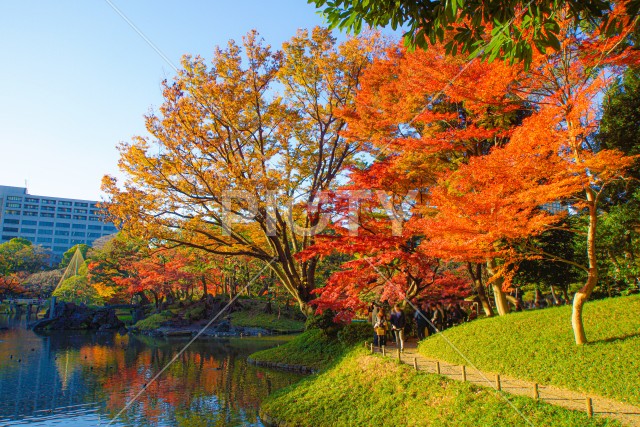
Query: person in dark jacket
x,y
438,318
398,322
422,317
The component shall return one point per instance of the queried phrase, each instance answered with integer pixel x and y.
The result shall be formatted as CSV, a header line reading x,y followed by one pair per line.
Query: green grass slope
x,y
539,346
271,322
312,349
370,390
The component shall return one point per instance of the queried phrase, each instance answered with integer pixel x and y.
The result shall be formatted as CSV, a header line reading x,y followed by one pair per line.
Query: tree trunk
x,y
553,295
592,278
502,306
476,277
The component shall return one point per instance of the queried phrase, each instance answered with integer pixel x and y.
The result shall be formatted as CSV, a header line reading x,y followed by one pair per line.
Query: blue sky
x,y
76,79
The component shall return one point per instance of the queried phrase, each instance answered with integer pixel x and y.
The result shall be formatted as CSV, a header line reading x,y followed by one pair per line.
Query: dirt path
x,y
602,406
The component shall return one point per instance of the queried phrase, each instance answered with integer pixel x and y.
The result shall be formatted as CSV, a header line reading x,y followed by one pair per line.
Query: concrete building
x,y
52,222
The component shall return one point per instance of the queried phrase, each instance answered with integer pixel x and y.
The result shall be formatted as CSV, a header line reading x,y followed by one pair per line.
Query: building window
x,y
63,225
44,239
14,205
65,203
60,249
30,214
47,232
46,224
62,233
63,241
64,216
110,228
48,202
93,234
31,200
78,234
94,212
28,230
80,217
84,211
94,227
11,212
64,209
94,218
34,207
17,221
14,198
47,215
5,237
47,208
79,226
77,241
10,229
82,204
28,222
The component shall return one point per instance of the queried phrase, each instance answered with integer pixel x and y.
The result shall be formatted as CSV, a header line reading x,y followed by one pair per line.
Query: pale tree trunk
x,y
501,300
592,278
553,295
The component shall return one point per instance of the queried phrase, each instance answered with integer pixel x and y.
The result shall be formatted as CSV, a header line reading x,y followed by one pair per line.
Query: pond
x,y
76,378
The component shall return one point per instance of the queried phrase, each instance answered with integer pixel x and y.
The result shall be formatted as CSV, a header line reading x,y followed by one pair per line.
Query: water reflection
x,y
80,378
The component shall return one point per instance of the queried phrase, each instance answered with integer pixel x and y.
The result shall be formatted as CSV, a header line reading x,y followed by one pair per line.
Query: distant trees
x,y
21,256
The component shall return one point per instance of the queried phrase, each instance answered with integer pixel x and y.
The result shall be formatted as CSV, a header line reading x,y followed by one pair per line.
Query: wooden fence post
x,y
498,384
589,407
415,363
372,348
437,367
464,373
384,353
536,392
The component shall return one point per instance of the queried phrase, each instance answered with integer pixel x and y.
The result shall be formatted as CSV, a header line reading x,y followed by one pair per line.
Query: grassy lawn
x,y
125,316
266,321
312,349
154,321
369,390
539,346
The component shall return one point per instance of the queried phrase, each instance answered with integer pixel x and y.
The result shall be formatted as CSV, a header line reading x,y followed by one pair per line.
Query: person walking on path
x,y
438,319
421,318
380,328
373,317
398,322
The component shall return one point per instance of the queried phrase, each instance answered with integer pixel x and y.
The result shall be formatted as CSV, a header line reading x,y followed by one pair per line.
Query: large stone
x,y
72,316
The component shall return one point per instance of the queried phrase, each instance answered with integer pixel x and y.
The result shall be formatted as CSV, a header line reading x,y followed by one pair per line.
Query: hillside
x,y
539,346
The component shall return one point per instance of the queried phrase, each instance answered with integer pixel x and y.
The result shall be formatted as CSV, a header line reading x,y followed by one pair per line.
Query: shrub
x,y
355,333
196,313
324,322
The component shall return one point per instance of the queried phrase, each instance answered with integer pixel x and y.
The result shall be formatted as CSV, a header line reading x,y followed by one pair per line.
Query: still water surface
x,y
85,379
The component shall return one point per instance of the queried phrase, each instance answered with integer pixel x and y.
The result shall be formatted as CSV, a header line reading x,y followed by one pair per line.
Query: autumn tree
x,y
161,274
108,264
11,285
424,114
231,137
566,86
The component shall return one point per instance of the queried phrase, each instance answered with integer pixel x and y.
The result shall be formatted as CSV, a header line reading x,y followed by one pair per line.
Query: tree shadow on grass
x,y
617,338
